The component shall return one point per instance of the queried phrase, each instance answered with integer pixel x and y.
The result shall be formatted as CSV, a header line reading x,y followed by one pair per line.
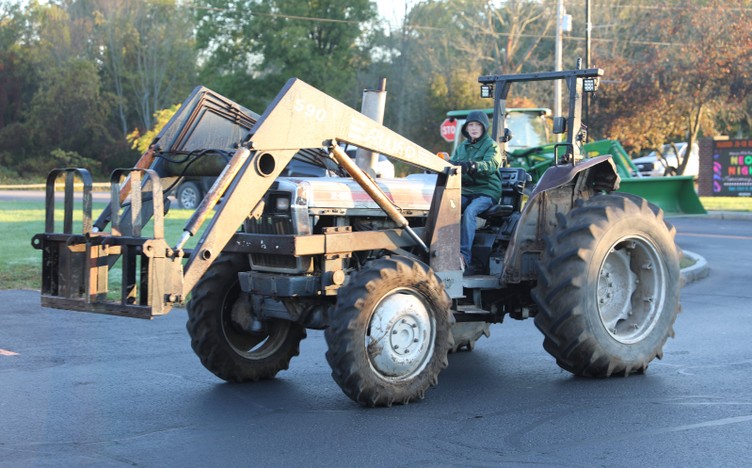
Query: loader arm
x,y
300,117
303,117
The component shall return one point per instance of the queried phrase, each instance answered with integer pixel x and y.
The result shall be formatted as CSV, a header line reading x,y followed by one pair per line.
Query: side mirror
x,y
507,136
560,125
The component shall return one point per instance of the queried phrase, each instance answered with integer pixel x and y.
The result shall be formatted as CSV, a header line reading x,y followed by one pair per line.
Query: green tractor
x,y
532,148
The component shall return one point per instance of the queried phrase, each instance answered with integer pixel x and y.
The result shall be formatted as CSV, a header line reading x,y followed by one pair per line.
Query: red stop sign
x,y
448,129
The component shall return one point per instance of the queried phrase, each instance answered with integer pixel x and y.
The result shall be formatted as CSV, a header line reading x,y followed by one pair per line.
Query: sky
x,y
393,10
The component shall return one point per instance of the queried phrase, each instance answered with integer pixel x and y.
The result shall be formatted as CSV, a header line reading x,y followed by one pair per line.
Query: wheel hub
x,y
630,290
247,335
401,335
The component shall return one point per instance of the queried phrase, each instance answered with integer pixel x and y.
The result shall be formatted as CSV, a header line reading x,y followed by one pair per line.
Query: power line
x,y
656,7
277,15
548,36
496,34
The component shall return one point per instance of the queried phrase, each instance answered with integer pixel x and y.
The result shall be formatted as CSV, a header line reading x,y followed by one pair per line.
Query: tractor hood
x,y
329,195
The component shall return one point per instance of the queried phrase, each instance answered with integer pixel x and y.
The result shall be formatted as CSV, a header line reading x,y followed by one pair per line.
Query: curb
x,y
695,272
727,215
730,215
96,186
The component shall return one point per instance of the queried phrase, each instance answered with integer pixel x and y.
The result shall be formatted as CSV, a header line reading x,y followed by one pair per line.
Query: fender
x,y
554,195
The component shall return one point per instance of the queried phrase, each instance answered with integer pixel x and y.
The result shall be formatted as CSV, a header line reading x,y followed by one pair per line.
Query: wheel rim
x,y
400,336
631,290
237,317
188,197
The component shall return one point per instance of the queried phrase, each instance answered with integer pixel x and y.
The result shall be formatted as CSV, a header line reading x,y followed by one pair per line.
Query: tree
x,y
68,113
324,52
701,90
692,67
225,52
142,141
444,46
251,48
12,76
149,56
520,27
84,72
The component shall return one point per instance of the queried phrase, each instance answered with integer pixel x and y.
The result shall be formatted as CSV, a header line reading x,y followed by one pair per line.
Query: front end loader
x,y
373,262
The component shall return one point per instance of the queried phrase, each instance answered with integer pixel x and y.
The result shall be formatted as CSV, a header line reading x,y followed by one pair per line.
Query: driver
x,y
480,159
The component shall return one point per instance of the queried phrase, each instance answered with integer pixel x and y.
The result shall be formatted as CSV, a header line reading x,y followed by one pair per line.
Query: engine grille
x,y
272,224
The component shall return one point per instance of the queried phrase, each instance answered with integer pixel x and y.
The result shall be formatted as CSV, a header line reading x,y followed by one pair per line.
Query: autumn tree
x,y
688,73
444,46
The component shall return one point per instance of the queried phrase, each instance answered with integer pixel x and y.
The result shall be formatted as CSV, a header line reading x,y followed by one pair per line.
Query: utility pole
x,y
586,100
588,30
563,24
557,59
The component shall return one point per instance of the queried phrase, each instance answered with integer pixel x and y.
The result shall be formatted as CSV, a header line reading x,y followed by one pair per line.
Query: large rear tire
x,y
219,323
389,333
608,289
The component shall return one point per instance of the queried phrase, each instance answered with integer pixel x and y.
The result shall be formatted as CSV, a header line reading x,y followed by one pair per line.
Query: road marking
x,y
717,236
5,352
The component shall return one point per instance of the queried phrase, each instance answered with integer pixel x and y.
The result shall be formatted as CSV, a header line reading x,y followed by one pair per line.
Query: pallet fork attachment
x,y
76,267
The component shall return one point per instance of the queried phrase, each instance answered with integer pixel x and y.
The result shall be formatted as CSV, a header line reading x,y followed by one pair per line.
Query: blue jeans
x,y
471,208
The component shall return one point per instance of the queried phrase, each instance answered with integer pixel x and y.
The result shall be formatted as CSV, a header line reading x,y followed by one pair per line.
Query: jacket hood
x,y
475,116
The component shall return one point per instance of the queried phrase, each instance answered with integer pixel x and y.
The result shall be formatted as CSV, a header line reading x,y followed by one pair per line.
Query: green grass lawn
x,y
727,203
21,264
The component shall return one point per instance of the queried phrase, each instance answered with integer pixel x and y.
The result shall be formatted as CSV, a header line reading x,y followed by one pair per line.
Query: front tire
x,y
389,333
608,291
219,323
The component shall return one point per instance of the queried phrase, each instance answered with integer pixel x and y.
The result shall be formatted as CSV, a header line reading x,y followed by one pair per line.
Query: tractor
x,y
375,263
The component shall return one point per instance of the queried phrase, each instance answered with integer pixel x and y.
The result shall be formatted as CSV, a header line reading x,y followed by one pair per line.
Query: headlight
x,y
281,204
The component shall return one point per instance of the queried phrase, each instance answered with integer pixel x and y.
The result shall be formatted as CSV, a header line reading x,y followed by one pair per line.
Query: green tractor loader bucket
x,y
675,195
624,165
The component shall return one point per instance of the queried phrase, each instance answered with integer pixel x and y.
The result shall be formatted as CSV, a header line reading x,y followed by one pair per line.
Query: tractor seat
x,y
513,180
497,212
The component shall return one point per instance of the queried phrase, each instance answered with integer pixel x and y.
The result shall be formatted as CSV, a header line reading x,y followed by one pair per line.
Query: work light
x,y
590,85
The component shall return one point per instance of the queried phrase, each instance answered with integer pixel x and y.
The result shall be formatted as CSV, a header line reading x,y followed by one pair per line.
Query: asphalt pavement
x,y
80,389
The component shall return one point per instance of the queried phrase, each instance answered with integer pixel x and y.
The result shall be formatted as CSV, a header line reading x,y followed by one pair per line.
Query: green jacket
x,y
487,157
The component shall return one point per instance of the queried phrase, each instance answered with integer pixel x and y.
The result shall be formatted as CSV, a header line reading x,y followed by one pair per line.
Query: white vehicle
x,y
653,165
